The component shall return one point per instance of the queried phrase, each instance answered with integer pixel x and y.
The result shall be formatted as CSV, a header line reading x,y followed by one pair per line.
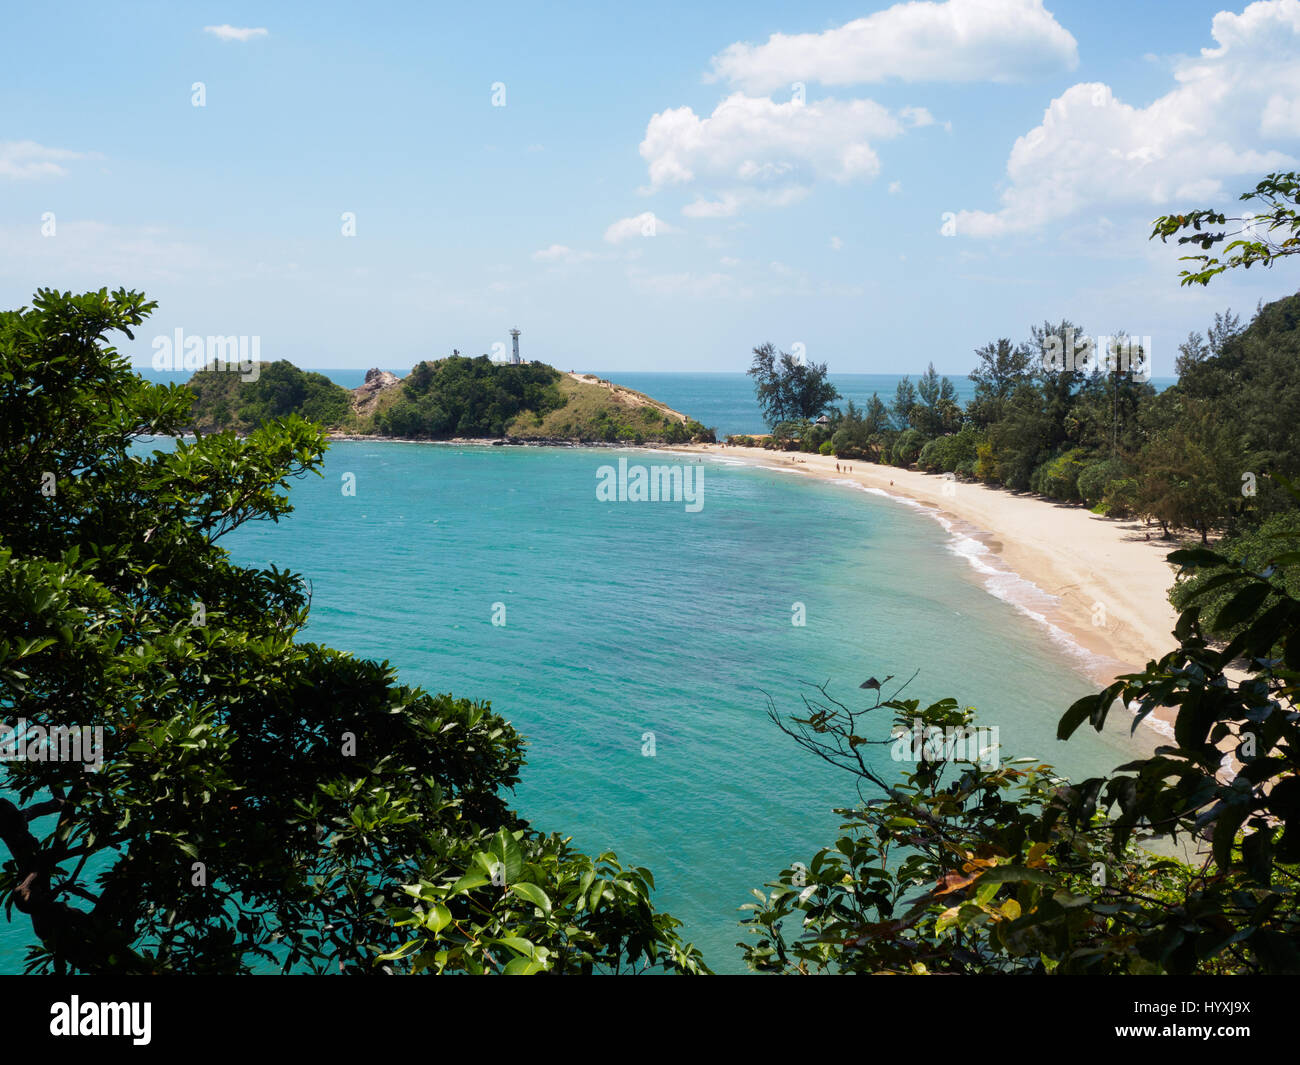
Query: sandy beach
x,y
1109,581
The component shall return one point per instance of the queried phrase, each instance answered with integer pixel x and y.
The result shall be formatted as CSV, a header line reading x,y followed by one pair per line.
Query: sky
x,y
652,187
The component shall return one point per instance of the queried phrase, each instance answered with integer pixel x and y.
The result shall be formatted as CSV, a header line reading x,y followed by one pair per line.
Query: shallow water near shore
x,y
627,618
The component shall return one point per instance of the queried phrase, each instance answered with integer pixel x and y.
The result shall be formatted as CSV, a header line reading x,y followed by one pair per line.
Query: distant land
x,y
722,401
454,398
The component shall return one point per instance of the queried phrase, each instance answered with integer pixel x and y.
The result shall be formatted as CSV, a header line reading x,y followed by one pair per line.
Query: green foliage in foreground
x,y
261,801
963,868
1264,235
1211,588
529,905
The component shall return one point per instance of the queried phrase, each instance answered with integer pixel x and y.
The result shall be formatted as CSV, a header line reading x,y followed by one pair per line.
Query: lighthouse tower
x,y
514,358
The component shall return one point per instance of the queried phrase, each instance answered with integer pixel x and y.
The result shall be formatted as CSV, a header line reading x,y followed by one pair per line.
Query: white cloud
x,y
916,116
960,40
644,224
836,243
1281,117
236,33
763,152
27,159
895,187
724,207
1092,150
730,203
560,253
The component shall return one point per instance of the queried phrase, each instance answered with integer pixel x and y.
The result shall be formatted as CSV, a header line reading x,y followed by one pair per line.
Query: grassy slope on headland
x,y
454,398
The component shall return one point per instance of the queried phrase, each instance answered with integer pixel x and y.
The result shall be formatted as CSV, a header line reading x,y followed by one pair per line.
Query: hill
x,y
225,400
445,399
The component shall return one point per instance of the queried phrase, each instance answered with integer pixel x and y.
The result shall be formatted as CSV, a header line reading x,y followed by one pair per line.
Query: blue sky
x,y
1047,135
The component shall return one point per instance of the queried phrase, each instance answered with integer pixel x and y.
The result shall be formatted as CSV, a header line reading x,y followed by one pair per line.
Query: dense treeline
x,y
1094,431
225,400
469,397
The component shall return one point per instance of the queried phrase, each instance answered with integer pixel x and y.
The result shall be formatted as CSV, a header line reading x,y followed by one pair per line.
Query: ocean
x,y
623,619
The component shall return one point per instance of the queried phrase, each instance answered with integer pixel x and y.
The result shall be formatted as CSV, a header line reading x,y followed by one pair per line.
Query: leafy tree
x,y
905,401
261,801
471,397
1059,385
907,448
768,389
1263,236
1023,439
1104,414
1002,367
851,438
876,416
1254,548
971,864
861,434
1252,380
788,389
1190,473
1197,348
788,435
938,411
1097,476
1058,478
223,400
953,453
1246,905
811,394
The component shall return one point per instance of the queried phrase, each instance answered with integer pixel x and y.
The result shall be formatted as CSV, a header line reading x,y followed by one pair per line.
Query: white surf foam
x,y
1005,584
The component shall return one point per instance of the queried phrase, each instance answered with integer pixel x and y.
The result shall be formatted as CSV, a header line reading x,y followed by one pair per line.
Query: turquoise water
x,y
722,401
627,618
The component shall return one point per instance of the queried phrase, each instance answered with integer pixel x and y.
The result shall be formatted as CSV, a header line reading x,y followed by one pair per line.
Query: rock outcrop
x,y
365,398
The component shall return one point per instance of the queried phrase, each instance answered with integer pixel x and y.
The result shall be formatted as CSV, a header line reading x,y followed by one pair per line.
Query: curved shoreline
x,y
1097,587
1103,584
1077,560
